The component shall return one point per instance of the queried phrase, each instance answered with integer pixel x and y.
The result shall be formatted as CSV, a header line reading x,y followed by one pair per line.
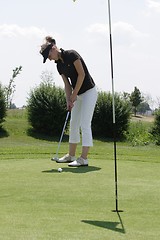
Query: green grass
x,y
38,203
139,130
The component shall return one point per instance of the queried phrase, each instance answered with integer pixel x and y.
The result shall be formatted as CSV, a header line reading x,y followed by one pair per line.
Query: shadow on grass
x,y
3,133
41,136
137,116
109,139
74,170
114,226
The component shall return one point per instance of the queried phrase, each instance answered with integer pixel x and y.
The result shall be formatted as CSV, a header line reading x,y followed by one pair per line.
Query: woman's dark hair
x,y
49,39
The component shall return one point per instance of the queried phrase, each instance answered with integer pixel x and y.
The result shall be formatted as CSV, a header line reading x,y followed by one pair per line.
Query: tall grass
x,y
139,133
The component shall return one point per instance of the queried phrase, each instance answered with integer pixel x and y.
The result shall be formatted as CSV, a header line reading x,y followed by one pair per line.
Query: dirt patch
x,y
143,118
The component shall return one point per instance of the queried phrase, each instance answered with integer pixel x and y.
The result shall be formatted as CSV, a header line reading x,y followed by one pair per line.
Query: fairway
x,y
39,203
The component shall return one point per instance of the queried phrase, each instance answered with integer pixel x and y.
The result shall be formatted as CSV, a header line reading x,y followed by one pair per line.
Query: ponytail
x,y
49,39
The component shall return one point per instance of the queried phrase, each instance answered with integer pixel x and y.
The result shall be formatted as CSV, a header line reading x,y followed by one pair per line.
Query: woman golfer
x,y
81,96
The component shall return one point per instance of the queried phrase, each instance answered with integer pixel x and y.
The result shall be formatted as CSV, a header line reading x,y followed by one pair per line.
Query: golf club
x,y
56,156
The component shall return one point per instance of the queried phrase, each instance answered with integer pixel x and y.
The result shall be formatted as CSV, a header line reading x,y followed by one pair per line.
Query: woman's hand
x,y
69,105
70,102
73,97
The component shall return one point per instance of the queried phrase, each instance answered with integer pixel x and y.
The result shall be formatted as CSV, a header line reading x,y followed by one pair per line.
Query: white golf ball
x,y
59,169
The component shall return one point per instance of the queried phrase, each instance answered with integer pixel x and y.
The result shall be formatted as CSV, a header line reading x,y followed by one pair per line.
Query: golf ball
x,y
59,169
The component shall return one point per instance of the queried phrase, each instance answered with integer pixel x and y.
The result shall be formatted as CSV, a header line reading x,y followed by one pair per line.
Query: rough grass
x,y
139,131
38,203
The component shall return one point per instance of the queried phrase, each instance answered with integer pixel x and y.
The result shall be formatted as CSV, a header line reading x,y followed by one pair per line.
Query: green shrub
x,y
2,106
47,108
156,128
102,123
138,134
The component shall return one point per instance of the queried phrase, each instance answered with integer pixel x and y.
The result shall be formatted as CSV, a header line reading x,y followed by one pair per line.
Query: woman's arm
x,y
68,91
80,79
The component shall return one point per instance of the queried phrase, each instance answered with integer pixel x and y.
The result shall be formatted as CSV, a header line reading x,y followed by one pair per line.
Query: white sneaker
x,y
80,162
66,158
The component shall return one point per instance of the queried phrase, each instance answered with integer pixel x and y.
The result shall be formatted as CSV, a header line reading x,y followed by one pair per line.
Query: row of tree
x,y
136,99
47,108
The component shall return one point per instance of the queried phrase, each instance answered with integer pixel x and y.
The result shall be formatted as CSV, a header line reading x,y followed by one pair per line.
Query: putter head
x,y
54,159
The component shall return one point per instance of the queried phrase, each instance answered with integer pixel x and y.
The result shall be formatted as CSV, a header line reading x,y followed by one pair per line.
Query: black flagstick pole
x,y
113,106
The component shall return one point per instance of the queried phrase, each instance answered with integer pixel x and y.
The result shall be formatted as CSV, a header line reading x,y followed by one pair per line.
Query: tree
x,y
143,107
47,77
135,99
126,96
10,89
47,107
158,102
102,123
155,131
2,105
148,99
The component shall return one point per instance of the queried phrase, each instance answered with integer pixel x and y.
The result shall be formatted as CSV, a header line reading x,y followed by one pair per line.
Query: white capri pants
x,y
81,117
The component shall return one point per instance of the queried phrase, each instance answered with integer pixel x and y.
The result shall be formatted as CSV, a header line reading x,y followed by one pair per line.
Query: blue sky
x,y
82,26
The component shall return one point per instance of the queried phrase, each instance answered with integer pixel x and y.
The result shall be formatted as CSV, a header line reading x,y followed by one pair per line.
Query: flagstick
x,y
113,106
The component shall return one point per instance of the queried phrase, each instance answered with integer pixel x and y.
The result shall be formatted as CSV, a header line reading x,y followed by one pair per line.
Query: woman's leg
x,y
74,136
87,109
72,149
85,151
